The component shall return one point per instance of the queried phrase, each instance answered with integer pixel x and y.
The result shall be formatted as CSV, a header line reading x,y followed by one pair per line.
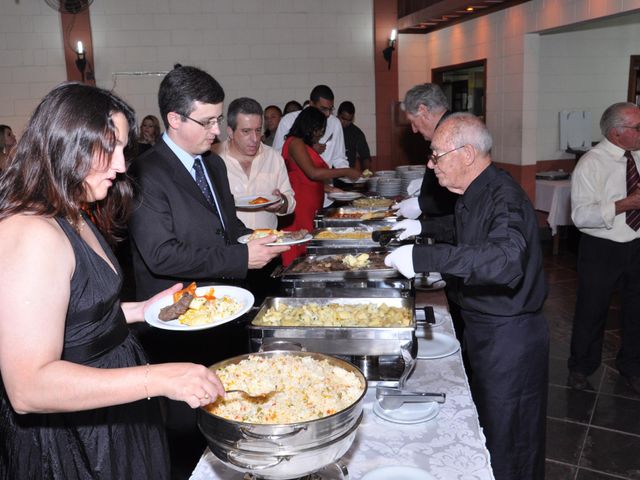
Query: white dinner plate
x,y
437,345
345,196
398,472
408,413
358,181
243,297
243,202
306,238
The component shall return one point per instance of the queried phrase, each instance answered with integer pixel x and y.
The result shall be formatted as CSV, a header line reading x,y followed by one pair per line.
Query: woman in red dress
x,y
307,172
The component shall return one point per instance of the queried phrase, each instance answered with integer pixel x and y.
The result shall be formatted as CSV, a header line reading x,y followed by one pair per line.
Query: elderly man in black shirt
x,y
494,254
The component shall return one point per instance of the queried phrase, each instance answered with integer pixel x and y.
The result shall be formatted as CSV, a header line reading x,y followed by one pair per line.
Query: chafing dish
x,y
382,282
374,202
386,355
283,451
333,217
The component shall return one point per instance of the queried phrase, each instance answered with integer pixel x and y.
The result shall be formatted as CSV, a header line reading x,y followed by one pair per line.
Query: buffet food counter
x,y
444,441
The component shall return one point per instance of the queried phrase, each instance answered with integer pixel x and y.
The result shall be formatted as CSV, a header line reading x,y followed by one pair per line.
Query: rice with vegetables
x,y
305,389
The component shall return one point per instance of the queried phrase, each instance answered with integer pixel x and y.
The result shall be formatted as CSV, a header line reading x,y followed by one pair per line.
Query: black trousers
x,y
509,357
604,266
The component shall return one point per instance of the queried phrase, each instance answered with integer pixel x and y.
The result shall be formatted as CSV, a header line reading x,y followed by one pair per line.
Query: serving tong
x,y
393,398
384,237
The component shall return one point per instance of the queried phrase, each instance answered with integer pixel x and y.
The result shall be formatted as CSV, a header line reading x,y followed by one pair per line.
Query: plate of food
x,y
198,308
283,237
344,196
256,201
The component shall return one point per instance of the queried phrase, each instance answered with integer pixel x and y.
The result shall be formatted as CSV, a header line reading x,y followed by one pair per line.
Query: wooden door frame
x,y
438,73
634,71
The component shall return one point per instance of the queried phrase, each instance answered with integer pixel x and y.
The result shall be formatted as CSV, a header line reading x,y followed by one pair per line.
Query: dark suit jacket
x,y
175,233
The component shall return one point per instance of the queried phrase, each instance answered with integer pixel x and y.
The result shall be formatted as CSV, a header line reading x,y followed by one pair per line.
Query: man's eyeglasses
x,y
433,158
209,124
326,109
635,127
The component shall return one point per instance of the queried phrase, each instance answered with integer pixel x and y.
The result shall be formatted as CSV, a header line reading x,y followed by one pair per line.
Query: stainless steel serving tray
x,y
369,341
354,203
328,218
347,242
287,273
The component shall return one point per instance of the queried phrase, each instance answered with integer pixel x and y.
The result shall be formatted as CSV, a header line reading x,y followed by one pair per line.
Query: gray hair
x,y
466,129
428,94
244,105
614,116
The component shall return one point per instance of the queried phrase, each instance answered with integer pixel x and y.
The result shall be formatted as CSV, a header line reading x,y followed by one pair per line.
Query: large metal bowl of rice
x,y
307,420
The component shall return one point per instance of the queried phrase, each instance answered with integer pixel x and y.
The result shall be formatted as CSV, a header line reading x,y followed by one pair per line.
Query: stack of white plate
x,y
402,168
372,184
389,187
406,177
385,173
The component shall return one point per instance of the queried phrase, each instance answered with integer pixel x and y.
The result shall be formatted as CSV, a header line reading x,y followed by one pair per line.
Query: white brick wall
x,y
31,58
531,77
272,50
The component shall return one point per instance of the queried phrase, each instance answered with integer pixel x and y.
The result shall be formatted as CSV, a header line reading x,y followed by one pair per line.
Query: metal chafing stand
x,y
386,355
383,282
330,217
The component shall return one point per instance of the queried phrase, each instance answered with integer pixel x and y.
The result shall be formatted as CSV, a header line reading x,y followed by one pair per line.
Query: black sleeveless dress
x,y
120,442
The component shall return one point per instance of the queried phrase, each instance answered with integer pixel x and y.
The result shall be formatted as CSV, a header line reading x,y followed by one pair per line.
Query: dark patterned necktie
x,y
202,183
633,216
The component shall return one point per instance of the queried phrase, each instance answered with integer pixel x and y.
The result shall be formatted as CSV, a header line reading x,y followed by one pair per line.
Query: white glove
x,y
402,260
408,208
411,228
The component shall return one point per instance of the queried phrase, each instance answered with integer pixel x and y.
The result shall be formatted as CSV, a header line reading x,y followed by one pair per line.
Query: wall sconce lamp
x,y
81,61
388,52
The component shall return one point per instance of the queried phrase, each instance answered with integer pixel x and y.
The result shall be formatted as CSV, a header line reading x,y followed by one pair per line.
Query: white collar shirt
x,y
598,181
268,173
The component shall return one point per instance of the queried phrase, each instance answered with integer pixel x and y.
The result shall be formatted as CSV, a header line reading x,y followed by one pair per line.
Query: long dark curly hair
x,y
70,132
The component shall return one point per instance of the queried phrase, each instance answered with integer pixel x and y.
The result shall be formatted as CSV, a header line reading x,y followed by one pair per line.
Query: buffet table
x,y
449,446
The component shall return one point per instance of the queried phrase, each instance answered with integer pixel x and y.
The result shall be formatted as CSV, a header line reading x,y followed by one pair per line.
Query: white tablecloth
x,y
554,196
450,447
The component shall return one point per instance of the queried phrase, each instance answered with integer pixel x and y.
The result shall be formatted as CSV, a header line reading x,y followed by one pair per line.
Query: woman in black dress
x,y
76,392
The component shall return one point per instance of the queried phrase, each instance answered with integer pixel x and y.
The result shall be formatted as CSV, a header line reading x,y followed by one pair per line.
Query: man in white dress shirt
x,y
605,206
331,146
254,168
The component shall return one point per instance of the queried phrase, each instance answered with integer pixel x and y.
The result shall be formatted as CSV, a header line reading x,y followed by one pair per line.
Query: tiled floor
x,y
593,434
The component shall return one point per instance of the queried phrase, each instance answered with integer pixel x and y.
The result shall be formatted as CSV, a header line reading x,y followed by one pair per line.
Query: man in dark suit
x,y
184,228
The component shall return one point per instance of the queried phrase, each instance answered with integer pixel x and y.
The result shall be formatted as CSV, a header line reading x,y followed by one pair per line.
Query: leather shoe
x,y
578,381
634,383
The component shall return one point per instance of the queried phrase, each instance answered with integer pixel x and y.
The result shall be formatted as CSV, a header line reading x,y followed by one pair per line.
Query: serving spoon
x,y
255,396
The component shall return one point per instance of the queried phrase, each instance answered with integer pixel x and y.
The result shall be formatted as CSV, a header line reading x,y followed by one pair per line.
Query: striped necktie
x,y
203,185
633,216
